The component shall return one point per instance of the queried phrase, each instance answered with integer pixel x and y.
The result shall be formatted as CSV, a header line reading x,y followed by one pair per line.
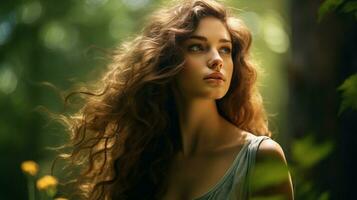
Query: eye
x,y
226,50
195,48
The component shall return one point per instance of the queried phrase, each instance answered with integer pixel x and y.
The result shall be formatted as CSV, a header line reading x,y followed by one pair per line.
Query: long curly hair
x,y
124,136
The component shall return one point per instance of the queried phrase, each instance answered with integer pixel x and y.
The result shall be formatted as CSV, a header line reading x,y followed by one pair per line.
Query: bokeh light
x,y
136,4
5,30
275,36
8,79
57,36
253,21
30,12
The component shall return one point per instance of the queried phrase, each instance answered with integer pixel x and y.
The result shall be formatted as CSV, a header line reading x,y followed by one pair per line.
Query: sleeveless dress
x,y
234,185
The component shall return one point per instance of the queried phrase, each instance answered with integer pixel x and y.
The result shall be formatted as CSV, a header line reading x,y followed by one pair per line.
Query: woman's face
x,y
208,65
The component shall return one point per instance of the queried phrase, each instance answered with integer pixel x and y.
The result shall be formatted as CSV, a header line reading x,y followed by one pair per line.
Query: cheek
x,y
189,80
229,71
192,64
192,70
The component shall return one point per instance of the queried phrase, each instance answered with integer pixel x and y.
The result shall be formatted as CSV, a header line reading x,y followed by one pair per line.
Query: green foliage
x,y
275,197
349,93
344,6
350,7
307,153
60,42
324,196
327,7
270,173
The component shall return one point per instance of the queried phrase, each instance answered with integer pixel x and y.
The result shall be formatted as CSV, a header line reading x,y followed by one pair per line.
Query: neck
x,y
200,123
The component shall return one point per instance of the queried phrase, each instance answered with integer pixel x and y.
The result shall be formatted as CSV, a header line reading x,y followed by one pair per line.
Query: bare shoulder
x,y
272,172
270,150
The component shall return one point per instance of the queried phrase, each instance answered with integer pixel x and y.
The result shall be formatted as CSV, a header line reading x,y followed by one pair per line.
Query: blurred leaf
x,y
275,197
349,93
324,196
350,7
307,153
277,174
328,6
305,187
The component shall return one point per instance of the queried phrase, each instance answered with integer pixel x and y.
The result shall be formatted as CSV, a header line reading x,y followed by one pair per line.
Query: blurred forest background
x,y
307,50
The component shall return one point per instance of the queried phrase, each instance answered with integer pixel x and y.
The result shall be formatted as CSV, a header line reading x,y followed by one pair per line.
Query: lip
x,y
215,75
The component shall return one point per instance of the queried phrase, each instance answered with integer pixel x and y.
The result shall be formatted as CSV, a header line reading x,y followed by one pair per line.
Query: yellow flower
x,y
60,198
29,167
46,182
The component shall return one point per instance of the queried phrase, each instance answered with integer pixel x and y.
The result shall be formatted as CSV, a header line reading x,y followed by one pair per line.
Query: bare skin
x,y
271,155
193,176
209,142
199,119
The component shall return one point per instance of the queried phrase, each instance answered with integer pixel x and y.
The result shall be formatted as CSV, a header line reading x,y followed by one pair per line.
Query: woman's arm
x,y
271,178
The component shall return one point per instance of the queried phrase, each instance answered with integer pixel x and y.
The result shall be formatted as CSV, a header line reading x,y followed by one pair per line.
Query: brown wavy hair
x,y
126,133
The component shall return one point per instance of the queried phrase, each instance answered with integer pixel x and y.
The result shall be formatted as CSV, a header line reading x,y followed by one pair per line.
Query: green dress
x,y
234,185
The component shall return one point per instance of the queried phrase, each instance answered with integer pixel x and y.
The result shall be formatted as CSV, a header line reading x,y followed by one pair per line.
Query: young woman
x,y
178,115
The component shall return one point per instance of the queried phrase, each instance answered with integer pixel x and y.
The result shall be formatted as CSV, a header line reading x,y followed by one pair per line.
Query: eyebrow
x,y
198,37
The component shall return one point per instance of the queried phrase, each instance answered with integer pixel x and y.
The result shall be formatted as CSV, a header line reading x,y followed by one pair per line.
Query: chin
x,y
217,95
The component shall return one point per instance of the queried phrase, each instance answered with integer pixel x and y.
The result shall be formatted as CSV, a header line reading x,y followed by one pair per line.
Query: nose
x,y
216,62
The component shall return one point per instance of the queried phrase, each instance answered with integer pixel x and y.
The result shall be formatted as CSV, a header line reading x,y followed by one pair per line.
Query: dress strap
x,y
252,154
245,167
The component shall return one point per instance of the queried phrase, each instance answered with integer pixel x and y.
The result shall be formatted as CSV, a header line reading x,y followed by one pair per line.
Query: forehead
x,y
211,27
